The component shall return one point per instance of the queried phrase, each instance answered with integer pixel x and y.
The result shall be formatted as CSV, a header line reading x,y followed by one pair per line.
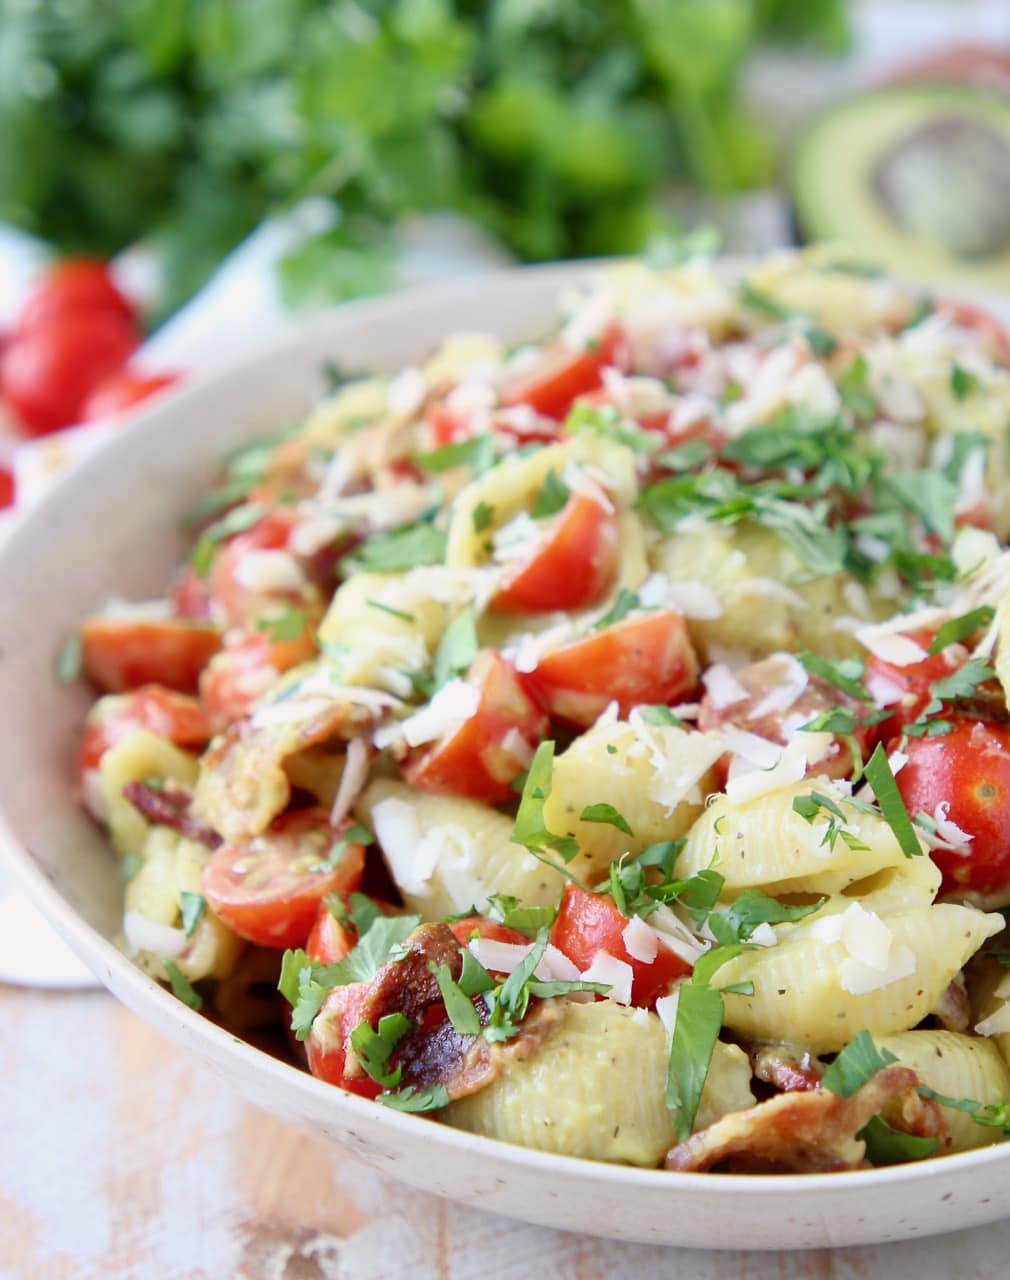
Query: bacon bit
x,y
801,1132
169,806
435,1052
786,1067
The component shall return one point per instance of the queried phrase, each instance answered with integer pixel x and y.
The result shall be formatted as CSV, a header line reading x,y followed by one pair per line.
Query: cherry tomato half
x,y
573,566
561,374
268,889
588,923
122,391
491,929
647,659
47,373
164,712
489,750
73,286
905,690
968,772
121,653
327,1041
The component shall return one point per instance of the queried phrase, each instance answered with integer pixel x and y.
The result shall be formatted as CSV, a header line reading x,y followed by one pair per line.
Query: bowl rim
x,y
143,995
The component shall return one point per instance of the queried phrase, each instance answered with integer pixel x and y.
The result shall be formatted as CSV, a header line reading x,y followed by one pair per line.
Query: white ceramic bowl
x,y
111,528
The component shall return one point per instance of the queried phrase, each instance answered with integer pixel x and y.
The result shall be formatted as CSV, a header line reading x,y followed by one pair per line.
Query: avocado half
x,y
914,177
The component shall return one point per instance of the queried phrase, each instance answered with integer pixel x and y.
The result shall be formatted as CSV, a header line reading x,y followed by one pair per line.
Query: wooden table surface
x,y
118,1159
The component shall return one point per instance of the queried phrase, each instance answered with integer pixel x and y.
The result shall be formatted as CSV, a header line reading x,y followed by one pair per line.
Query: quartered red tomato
x,y
574,565
327,1041
163,712
967,772
464,930
122,391
239,596
905,690
645,659
588,923
268,888
74,286
562,373
772,709
245,667
124,652
488,751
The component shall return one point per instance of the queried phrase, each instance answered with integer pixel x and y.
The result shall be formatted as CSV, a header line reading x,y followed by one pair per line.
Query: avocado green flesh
x,y
916,178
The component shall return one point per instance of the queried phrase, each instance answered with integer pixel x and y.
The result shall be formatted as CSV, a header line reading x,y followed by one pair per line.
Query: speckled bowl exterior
x,y
111,528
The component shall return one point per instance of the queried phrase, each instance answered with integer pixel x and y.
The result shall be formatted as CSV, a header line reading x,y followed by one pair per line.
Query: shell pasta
x,y
602,744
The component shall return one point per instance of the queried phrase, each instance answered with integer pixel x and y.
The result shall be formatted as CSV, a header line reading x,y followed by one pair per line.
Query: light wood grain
x,y
121,1160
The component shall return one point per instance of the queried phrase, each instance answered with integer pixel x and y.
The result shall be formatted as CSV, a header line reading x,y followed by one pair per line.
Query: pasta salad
x,y
602,744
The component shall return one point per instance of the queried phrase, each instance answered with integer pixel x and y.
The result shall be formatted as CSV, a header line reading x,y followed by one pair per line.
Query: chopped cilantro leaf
x,y
374,1048
474,979
235,521
845,675
853,387
688,456
606,814
418,544
858,1062
458,1007
930,495
962,383
193,906
477,453
182,988
431,1098
509,912
388,608
962,628
285,626
751,909
529,829
887,1146
892,807
660,715
751,296
552,496
821,344
483,515
624,603
69,658
456,650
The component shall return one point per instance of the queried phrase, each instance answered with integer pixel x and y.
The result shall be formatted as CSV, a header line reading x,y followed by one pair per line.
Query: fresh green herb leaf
x,y
660,715
930,495
549,990
611,749
887,1146
376,944
456,650
393,613
858,1062
821,344
431,1098
69,659
509,912
608,422
458,1007
483,515
238,520
961,683
374,1048
474,979
624,603
962,383
854,388
751,296
552,496
606,814
418,544
753,908
892,807
285,626
995,1115
846,675
508,1003
477,453
695,1032
182,988
962,628
530,830
688,456
193,906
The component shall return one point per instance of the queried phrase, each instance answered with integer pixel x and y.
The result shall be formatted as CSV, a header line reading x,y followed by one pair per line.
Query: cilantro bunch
x,y
556,126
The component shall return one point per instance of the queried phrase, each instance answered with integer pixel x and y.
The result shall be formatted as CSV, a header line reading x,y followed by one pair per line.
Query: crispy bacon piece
x,y
435,1052
169,806
813,1131
786,1067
